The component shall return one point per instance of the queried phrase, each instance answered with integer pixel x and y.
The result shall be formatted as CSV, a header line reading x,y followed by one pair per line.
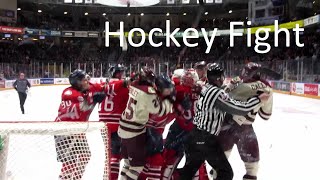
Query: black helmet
x,y
146,76
115,69
250,70
76,77
163,82
200,65
215,73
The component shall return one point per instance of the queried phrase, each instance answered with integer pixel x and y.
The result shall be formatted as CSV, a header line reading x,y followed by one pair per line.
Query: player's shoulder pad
x,y
69,93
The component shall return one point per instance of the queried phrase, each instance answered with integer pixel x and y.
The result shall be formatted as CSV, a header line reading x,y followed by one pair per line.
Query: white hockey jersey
x,y
143,101
248,89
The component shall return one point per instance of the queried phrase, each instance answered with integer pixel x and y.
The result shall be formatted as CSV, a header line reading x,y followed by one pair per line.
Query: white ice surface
x,y
289,145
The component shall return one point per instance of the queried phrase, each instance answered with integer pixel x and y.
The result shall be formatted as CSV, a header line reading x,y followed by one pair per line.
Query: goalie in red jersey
x,y
187,96
77,103
110,111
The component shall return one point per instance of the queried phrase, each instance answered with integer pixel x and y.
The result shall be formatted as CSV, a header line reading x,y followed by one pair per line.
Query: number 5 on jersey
x,y
130,107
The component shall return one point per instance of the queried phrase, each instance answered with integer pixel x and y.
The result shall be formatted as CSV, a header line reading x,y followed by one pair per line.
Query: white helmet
x,y
189,78
178,73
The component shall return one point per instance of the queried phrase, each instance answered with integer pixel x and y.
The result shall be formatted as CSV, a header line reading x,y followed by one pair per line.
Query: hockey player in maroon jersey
x,y
238,130
187,95
77,103
143,101
110,111
155,128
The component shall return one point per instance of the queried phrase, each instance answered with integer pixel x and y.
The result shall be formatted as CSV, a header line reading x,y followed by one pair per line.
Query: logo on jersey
x,y
68,92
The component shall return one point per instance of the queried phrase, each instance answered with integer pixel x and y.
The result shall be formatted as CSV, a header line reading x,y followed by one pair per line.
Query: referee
x,y
22,85
211,109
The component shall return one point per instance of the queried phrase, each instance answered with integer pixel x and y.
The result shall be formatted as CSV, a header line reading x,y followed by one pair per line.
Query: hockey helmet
x,y
215,74
200,65
76,77
147,76
189,78
250,70
114,70
164,83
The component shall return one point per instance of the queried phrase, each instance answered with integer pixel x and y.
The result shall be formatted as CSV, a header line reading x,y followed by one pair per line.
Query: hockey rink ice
x,y
289,141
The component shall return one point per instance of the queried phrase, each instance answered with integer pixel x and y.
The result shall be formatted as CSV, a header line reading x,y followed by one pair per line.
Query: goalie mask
x,y
189,78
177,74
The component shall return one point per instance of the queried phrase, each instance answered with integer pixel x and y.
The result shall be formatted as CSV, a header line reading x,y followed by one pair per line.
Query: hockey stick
x,y
272,75
174,166
195,24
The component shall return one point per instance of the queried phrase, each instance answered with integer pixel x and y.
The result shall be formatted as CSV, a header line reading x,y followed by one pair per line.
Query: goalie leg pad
x,y
66,148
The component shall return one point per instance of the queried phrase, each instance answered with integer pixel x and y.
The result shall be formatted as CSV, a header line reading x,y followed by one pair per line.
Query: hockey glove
x,y
154,142
98,97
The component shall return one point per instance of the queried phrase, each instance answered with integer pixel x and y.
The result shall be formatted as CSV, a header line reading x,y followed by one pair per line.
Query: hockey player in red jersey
x,y
143,101
110,111
187,95
155,128
238,130
77,103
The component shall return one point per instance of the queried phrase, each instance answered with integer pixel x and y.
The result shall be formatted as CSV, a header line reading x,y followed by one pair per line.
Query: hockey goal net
x,y
54,150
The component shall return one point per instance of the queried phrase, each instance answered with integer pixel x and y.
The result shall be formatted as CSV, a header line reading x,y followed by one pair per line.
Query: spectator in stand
x,y
22,85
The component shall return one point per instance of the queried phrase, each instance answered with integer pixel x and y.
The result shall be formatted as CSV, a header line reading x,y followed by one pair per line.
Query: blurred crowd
x,y
82,53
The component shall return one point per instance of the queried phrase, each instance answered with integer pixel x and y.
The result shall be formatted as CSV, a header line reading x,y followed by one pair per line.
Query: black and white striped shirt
x,y
213,105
